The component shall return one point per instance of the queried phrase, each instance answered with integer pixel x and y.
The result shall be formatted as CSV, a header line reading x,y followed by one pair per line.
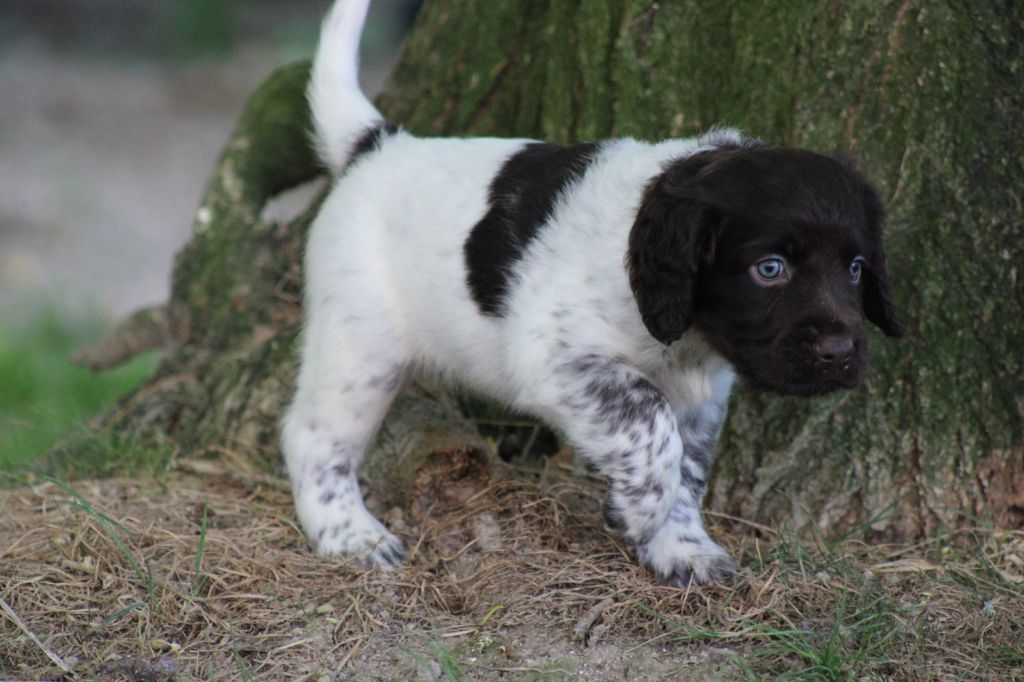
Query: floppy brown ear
x,y
670,233
879,307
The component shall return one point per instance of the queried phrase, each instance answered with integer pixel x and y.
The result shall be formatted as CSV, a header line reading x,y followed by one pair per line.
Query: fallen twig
x,y
57,660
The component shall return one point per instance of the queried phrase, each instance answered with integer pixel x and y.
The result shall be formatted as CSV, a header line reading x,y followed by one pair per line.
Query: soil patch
x,y
208,577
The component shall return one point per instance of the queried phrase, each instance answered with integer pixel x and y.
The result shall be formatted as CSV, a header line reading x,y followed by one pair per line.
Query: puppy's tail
x,y
342,114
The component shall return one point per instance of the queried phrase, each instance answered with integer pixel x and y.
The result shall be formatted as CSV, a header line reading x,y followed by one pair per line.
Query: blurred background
x,y
112,114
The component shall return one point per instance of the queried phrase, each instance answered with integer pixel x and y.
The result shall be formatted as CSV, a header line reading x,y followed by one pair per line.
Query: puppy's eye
x,y
771,270
856,267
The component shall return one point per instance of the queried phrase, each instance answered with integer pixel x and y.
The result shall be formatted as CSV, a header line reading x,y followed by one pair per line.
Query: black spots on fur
x,y
722,570
699,429
649,488
702,452
327,496
657,490
618,400
692,483
664,444
390,554
614,519
682,515
331,476
681,576
521,199
620,405
685,539
589,364
369,141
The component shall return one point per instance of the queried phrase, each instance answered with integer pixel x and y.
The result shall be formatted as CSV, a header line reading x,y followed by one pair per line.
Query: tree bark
x,y
928,96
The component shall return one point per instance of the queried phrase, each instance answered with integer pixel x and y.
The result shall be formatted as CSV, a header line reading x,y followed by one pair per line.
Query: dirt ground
x,y
108,577
203,574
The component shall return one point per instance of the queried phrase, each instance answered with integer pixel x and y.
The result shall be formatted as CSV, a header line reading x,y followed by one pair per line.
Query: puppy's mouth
x,y
797,369
800,382
815,368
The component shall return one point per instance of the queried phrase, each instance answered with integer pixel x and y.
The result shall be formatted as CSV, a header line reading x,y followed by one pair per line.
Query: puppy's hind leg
x,y
351,372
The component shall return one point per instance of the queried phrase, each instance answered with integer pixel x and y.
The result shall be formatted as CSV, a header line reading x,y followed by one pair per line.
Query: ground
x,y
202,573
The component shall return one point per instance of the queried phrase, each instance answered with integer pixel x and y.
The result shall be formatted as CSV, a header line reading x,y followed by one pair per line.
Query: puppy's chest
x,y
691,380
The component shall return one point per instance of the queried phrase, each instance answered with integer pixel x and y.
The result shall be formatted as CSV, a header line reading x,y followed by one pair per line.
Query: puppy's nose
x,y
835,350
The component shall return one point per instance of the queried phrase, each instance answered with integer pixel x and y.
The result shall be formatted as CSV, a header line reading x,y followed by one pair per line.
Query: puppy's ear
x,y
666,246
878,304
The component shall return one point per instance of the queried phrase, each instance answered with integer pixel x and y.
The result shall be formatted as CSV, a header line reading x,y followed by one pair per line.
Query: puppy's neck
x,y
690,371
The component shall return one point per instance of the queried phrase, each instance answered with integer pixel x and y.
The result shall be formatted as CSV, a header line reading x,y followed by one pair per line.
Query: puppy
x,y
614,289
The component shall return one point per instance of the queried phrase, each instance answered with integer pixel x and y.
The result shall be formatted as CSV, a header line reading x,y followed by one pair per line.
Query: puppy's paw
x,y
679,559
362,538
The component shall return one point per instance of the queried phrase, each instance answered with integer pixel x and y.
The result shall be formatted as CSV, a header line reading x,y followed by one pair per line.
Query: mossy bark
x,y
929,97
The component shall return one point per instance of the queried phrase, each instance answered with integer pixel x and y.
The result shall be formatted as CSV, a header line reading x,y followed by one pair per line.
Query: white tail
x,y
341,112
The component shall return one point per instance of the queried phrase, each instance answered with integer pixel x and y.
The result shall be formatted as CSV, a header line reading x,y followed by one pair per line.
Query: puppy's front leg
x,y
681,550
625,426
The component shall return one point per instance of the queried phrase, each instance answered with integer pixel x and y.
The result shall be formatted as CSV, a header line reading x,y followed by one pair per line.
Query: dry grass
x,y
208,578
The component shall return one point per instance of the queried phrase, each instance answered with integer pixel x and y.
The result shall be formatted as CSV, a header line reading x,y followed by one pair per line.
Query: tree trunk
x,y
928,95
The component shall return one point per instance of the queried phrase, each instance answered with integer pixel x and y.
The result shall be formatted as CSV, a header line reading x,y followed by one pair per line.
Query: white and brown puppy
x,y
613,289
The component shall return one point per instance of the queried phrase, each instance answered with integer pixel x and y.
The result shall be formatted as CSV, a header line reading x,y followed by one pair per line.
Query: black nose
x,y
835,349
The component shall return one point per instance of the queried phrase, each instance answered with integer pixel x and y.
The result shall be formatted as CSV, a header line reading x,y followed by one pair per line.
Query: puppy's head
x,y
774,254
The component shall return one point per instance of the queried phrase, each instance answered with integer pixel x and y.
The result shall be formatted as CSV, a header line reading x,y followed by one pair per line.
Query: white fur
x,y
340,109
386,296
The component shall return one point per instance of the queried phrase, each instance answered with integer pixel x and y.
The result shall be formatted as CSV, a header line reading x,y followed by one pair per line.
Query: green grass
x,y
117,533
862,627
43,397
199,581
447,658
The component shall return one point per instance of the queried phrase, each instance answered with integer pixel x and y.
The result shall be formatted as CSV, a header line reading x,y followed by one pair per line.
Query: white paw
x,y
358,536
678,555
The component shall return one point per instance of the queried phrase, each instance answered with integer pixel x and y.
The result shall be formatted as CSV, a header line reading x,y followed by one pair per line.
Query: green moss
x,y
597,91
222,275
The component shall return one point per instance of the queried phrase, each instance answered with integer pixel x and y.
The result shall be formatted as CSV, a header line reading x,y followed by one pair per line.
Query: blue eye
x,y
770,268
856,267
